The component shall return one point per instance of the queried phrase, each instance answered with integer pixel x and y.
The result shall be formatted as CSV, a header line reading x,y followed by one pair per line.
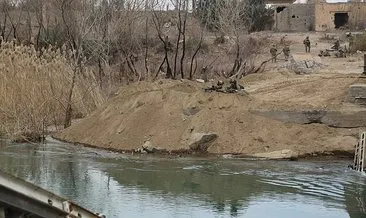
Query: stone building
x,y
319,15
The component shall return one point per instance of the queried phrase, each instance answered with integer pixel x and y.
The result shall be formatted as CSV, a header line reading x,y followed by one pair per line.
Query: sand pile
x,y
170,114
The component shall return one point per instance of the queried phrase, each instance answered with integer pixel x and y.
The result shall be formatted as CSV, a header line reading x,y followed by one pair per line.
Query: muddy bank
x,y
275,155
176,116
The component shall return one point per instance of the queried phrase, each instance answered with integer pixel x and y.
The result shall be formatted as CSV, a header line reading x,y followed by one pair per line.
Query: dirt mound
x,y
166,114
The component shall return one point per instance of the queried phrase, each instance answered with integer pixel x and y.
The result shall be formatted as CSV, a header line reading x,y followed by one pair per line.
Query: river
x,y
120,185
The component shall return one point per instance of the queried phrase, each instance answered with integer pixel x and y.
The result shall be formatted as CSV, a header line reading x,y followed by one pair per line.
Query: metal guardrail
x,y
359,158
19,196
364,64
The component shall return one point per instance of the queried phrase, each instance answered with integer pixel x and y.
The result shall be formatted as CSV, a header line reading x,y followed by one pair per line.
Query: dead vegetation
x,y
35,90
62,58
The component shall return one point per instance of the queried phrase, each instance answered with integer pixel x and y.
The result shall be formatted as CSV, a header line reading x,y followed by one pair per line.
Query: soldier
x,y
220,86
341,53
283,40
324,54
217,88
307,44
273,52
286,52
233,87
351,42
336,45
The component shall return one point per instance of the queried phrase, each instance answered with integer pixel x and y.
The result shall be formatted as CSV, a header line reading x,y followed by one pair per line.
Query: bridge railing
x,y
19,194
359,158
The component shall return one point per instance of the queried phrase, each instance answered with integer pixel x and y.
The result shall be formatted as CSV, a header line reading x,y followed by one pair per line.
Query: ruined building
x,y
318,15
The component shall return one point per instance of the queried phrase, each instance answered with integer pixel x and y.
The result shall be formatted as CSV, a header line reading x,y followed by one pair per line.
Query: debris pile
x,y
304,63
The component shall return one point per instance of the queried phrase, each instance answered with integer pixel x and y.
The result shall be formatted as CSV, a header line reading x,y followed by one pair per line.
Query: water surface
x,y
134,186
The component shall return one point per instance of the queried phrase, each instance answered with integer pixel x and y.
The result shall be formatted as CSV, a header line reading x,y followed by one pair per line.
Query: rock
x,y
191,111
239,120
281,154
150,149
200,142
200,80
228,156
140,151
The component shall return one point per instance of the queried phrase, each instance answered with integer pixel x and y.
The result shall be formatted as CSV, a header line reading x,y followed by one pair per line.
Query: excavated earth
x,y
280,115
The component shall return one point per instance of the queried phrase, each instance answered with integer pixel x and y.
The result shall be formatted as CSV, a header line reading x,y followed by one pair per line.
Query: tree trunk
x,y
68,114
184,42
194,57
178,39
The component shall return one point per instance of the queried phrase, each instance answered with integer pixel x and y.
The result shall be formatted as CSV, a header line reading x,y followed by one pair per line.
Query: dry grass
x,y
33,90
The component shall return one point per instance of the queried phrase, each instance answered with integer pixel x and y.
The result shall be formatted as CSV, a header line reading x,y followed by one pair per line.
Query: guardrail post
x,y
364,64
363,145
360,157
2,212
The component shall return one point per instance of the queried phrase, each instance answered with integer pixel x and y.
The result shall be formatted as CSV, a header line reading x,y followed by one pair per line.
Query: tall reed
x,y
34,90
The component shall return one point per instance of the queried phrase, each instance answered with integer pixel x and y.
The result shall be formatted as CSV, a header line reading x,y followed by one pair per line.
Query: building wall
x,y
294,18
325,13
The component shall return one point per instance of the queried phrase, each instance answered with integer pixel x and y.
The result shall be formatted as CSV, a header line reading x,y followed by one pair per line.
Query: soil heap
x,y
172,114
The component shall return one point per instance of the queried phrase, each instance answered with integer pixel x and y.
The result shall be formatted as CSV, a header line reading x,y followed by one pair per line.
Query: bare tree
x,y
159,19
230,23
77,27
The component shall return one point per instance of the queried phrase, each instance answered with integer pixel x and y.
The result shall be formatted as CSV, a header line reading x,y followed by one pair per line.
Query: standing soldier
x,y
307,44
283,40
273,52
286,52
351,42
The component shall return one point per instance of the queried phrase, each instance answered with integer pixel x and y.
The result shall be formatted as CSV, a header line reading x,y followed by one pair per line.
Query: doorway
x,y
340,19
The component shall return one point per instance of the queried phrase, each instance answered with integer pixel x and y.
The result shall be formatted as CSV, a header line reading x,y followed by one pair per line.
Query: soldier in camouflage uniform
x,y
273,52
286,52
351,42
233,87
218,88
307,44
336,45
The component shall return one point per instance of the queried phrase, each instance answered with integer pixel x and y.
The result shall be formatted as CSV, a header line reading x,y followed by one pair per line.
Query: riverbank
x,y
174,117
281,114
277,155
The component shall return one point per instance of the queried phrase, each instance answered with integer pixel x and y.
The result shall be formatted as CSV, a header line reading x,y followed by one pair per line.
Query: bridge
x,y
19,199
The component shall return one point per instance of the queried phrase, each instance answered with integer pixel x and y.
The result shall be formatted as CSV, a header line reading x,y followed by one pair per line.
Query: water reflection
x,y
123,186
